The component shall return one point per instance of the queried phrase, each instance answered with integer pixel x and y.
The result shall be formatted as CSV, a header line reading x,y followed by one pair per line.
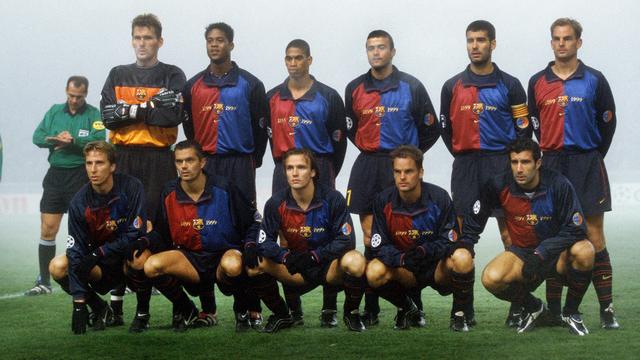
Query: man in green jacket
x,y
64,131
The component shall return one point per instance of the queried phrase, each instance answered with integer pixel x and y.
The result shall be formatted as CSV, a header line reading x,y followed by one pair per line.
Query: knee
x,y
48,231
491,279
138,262
376,273
58,267
153,266
231,263
462,261
582,254
353,263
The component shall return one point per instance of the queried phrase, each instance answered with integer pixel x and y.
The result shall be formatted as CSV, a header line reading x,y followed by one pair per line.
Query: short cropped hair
x,y
381,34
577,28
225,28
408,152
78,81
483,25
300,44
147,20
525,144
103,147
190,144
311,159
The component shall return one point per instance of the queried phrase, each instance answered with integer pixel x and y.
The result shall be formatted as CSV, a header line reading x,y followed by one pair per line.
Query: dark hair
x,y
78,81
381,34
300,44
306,153
103,147
189,144
525,144
483,25
226,29
147,20
408,152
577,28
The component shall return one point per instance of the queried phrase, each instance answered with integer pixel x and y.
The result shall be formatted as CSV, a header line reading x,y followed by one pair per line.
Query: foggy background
x,y
44,42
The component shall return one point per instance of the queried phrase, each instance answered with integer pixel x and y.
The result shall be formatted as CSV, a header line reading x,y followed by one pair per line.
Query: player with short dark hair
x,y
64,131
575,119
206,220
105,217
545,224
313,220
385,108
305,113
482,110
414,244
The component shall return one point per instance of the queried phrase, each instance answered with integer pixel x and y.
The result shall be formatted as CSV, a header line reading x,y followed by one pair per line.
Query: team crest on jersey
x,y
141,94
413,234
522,122
607,116
218,108
563,100
111,225
453,236
476,207
293,121
198,224
531,219
336,135
477,108
379,111
535,123
137,222
305,231
376,240
577,218
349,123
429,119
70,241
346,229
98,125
262,237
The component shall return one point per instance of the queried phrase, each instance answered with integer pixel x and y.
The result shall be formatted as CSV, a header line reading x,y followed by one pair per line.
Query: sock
x,y
578,285
292,297
602,278
530,302
554,294
94,301
330,297
416,295
138,282
117,299
172,290
64,284
394,293
353,292
515,308
208,301
253,301
266,287
46,252
514,293
462,285
371,301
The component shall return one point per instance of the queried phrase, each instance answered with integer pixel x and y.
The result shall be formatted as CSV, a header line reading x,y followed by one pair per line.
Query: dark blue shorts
x,y
326,176
112,268
469,174
238,168
371,173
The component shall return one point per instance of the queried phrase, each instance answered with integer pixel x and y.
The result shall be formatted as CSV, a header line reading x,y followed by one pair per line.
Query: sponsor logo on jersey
x,y
98,125
429,119
376,240
522,122
305,231
83,133
477,108
577,218
346,229
476,207
141,94
111,225
262,237
531,219
70,241
607,116
198,224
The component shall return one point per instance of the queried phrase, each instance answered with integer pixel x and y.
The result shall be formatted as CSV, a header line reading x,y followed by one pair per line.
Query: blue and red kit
x,y
548,219
315,121
226,115
104,223
429,223
388,113
483,112
576,114
221,219
324,228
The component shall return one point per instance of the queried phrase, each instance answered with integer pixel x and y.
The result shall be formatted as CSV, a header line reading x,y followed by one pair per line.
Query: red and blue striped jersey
x,y
578,113
483,112
382,115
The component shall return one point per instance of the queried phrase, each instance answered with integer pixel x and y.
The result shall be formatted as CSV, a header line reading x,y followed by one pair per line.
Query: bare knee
x,y
138,262
153,267
582,255
58,267
353,263
492,278
231,263
462,261
377,273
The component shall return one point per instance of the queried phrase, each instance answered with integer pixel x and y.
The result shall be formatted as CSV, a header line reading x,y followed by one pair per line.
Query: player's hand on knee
x,y
250,256
296,262
79,318
414,258
533,269
137,247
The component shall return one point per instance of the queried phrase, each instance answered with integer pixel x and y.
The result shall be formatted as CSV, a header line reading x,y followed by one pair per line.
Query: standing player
x,y
105,217
414,243
305,113
205,223
483,109
314,221
545,225
385,108
577,119
141,108
64,131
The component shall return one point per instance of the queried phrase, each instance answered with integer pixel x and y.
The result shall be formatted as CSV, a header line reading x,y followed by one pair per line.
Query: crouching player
x,y
198,241
314,221
547,231
414,244
105,217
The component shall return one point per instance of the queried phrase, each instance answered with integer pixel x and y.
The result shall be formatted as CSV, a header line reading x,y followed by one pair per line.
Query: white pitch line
x,y
11,296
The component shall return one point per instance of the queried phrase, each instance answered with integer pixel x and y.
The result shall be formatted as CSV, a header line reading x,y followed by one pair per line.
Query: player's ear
x,y
493,44
421,173
538,164
232,46
112,168
160,42
579,45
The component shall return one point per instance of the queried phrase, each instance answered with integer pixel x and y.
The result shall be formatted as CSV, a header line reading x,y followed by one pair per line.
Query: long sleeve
x,y
341,231
337,130
259,110
425,117
268,235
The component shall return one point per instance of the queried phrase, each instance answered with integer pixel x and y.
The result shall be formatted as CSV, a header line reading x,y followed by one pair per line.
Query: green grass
x,y
39,327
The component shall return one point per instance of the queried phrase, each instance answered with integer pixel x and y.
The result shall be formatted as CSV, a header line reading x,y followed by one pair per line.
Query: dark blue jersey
x,y
226,115
315,121
548,219
104,223
398,227
324,228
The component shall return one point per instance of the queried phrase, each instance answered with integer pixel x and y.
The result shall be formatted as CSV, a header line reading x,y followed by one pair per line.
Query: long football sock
x,y
394,293
353,292
266,287
602,278
46,252
554,294
172,290
330,297
578,285
292,296
462,292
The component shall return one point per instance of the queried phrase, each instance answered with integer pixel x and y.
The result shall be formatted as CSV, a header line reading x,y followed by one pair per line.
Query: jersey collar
x,y
469,78
285,93
550,76
392,83
229,79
